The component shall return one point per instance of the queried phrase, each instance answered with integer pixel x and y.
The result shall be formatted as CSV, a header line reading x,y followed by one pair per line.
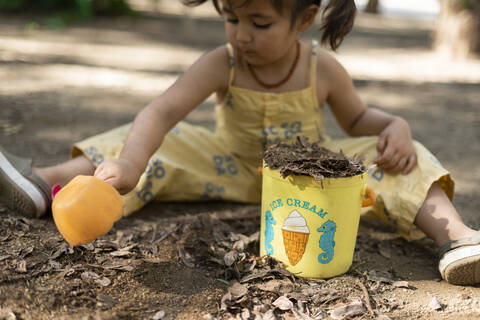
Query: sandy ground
x,y
60,86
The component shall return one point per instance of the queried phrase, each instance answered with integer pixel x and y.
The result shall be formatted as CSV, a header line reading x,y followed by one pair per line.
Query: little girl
x,y
270,86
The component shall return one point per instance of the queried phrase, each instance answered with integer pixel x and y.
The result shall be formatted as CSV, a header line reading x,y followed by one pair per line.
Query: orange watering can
x,y
85,209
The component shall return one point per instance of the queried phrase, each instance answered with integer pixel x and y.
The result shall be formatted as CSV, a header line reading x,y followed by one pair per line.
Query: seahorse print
x,y
326,241
269,223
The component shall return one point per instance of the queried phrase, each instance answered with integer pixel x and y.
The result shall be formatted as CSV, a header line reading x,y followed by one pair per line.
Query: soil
x,y
199,260
311,159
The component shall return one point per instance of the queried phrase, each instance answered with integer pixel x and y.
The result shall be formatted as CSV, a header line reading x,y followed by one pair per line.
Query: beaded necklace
x,y
282,81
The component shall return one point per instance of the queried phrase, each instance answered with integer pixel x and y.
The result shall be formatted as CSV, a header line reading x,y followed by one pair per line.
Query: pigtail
x,y
338,18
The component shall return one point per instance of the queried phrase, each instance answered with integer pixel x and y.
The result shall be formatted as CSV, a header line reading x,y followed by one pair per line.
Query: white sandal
x,y
460,261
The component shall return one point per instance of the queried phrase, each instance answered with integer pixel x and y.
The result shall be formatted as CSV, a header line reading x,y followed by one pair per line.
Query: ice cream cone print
x,y
295,236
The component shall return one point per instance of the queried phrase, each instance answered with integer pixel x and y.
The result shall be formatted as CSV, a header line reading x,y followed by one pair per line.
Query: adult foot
x,y
460,261
21,191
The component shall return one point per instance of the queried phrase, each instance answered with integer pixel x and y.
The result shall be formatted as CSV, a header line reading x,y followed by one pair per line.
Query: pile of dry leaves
x,y
261,288
221,246
311,159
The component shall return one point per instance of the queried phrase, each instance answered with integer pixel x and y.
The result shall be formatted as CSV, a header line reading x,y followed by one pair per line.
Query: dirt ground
x,y
199,260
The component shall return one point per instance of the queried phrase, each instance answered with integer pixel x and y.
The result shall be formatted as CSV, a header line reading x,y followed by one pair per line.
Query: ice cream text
x,y
292,202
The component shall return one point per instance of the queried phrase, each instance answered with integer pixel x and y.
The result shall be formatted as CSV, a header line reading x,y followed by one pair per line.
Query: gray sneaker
x,y
21,190
460,261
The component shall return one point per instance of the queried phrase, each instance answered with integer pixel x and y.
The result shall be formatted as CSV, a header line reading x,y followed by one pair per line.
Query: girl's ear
x,y
307,18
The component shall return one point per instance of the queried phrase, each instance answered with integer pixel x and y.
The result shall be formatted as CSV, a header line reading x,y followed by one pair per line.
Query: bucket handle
x,y
370,197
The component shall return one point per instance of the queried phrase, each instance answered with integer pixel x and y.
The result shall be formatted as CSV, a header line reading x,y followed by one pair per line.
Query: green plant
x,y
11,5
469,4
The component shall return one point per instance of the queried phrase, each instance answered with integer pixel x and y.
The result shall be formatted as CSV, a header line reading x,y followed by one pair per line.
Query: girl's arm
x,y
206,76
396,152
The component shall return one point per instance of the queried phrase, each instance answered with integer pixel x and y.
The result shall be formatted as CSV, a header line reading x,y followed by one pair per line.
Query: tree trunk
x,y
372,6
458,31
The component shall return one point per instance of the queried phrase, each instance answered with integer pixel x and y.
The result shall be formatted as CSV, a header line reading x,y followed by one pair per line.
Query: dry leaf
x,y
25,252
22,266
270,286
106,301
385,252
299,315
401,284
354,308
121,253
435,304
319,314
106,245
254,275
6,236
88,246
230,258
237,290
227,297
254,237
186,257
55,265
380,276
104,281
64,249
89,275
283,303
117,266
159,315
245,315
269,315
239,246
160,236
298,297
7,314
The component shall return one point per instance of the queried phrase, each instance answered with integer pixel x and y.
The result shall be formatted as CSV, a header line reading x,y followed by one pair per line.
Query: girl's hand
x,y
396,152
122,174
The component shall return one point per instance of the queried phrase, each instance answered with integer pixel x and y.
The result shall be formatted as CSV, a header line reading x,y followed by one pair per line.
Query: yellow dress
x,y
194,163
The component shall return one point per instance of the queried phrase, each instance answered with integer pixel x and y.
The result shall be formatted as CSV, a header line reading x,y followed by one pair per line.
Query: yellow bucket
x,y
312,227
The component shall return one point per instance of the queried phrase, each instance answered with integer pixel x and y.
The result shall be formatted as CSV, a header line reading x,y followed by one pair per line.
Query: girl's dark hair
x,y
337,18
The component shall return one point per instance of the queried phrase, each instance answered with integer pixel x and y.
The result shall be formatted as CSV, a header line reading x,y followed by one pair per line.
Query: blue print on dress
x,y
326,241
225,165
435,160
269,234
271,135
377,174
229,102
213,191
175,131
286,131
314,48
292,129
154,170
96,156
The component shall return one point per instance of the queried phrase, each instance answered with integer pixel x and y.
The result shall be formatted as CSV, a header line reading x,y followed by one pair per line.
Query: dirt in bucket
x,y
304,158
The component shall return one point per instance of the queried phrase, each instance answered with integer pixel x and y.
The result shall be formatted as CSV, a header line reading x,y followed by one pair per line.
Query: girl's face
x,y
257,31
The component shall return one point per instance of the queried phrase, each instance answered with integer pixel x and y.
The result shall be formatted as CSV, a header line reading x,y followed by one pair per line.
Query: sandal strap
x,y
471,241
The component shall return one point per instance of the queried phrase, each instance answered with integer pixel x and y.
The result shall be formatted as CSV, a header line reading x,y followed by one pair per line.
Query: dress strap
x,y
313,65
231,57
